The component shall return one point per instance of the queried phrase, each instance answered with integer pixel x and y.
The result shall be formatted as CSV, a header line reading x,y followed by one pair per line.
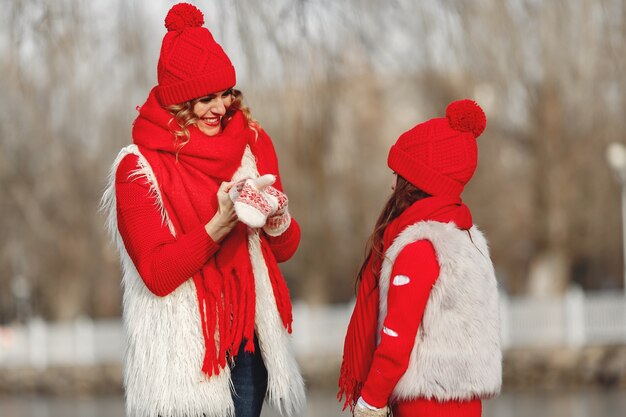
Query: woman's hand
x,y
225,218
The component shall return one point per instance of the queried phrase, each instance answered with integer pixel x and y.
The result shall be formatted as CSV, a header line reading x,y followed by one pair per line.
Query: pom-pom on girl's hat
x,y
440,156
191,63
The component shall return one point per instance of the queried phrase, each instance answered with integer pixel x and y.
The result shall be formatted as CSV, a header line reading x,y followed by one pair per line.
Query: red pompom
x,y
466,116
183,15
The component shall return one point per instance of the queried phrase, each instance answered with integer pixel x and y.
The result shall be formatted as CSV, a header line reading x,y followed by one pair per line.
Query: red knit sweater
x,y
405,308
164,262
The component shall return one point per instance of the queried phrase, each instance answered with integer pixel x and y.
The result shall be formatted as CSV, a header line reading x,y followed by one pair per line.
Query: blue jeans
x,y
249,378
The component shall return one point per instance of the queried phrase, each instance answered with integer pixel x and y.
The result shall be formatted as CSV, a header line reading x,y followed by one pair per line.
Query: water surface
x,y
586,403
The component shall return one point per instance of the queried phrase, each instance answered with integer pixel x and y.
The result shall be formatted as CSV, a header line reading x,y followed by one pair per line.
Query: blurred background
x,y
334,83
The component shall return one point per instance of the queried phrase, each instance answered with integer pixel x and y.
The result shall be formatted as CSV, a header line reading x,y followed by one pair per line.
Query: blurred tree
x,y
334,83
559,71
56,118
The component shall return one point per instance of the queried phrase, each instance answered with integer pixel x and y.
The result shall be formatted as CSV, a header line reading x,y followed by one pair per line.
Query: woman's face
x,y
211,109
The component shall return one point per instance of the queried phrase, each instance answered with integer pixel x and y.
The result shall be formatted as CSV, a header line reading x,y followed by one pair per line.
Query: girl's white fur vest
x,y
164,342
457,354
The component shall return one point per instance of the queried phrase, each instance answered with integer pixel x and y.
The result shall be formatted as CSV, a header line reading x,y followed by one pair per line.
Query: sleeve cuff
x,y
284,246
371,400
285,237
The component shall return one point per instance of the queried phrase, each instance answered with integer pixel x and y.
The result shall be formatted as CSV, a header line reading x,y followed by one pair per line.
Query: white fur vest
x,y
457,354
164,342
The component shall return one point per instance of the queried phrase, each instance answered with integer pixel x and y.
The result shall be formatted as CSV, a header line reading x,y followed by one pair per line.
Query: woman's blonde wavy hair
x,y
185,117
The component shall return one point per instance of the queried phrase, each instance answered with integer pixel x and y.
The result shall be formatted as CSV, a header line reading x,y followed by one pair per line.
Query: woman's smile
x,y
211,121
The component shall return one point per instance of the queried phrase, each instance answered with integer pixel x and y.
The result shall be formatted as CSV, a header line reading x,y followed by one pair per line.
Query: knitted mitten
x,y
360,411
278,222
251,204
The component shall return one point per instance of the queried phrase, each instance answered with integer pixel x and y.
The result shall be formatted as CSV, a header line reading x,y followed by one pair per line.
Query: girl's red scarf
x,y
360,342
188,179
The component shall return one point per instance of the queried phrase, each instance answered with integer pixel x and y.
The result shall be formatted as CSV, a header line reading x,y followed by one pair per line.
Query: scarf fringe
x,y
221,310
230,311
238,311
249,317
227,306
222,337
349,387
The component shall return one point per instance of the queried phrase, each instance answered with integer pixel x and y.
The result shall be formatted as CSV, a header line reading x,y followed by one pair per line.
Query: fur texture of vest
x,y
164,342
457,353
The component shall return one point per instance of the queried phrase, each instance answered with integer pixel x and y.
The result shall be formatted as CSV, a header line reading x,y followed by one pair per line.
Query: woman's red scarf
x,y
360,342
188,179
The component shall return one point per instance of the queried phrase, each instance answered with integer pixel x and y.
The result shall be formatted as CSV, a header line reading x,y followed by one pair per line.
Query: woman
x,y
424,336
205,306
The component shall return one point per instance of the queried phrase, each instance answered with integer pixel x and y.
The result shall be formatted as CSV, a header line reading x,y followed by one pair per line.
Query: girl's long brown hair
x,y
403,196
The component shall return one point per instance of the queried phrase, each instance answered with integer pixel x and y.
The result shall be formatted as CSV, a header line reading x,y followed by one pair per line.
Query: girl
x,y
206,309
423,339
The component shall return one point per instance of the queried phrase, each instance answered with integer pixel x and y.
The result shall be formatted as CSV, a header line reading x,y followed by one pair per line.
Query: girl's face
x,y
211,109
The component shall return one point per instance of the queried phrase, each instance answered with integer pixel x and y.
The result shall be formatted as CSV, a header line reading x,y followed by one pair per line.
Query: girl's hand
x,y
225,218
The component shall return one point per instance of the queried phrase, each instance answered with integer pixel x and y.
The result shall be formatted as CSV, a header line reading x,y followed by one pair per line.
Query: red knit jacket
x,y
405,308
164,262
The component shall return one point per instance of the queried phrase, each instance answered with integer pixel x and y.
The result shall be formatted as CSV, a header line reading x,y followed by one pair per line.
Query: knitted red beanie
x,y
191,63
440,156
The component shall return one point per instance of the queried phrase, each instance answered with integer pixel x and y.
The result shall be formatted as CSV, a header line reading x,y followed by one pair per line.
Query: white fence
x,y
81,342
575,320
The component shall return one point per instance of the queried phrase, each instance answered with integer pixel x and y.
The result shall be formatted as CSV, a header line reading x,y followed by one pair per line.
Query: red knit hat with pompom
x,y
191,63
440,156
